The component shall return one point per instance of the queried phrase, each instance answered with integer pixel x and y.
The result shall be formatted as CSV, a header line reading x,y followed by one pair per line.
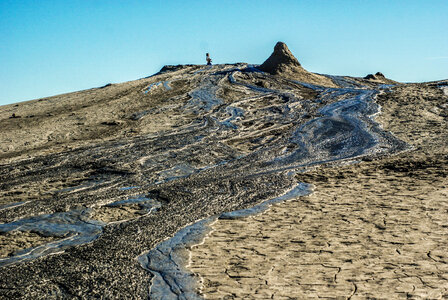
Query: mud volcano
x,y
282,62
232,180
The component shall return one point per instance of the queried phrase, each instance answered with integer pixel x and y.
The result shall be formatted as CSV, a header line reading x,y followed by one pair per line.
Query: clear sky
x,y
52,47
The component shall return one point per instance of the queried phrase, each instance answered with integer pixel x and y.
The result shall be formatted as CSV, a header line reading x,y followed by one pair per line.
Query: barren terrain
x,y
376,229
101,190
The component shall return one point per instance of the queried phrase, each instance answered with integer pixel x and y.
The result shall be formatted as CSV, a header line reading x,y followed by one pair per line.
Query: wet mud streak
x,y
167,264
345,130
71,228
67,229
300,190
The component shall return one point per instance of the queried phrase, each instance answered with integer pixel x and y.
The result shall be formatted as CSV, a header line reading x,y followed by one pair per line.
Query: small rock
x,y
105,86
262,84
14,116
111,123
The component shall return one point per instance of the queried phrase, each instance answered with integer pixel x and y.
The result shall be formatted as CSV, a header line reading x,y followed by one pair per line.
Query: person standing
x,y
208,59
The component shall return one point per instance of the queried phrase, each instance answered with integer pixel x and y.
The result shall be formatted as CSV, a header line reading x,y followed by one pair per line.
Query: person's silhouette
x,y
208,59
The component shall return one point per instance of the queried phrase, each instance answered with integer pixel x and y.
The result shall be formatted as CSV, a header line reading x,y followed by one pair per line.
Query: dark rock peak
x,y
281,58
377,76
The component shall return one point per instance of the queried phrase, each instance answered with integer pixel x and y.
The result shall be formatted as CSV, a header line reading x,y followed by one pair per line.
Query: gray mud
x,y
227,137
142,201
73,228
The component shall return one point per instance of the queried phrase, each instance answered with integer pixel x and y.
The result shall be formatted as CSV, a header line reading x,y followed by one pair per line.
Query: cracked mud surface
x,y
377,229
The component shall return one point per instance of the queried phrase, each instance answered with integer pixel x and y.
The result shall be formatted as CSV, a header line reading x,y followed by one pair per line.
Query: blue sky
x,y
52,47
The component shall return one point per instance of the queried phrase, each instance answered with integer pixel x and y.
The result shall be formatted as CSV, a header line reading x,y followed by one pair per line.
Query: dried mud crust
x,y
377,229
116,214
13,241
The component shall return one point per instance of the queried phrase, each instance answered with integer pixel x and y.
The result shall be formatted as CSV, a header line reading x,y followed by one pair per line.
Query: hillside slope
x,y
92,182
